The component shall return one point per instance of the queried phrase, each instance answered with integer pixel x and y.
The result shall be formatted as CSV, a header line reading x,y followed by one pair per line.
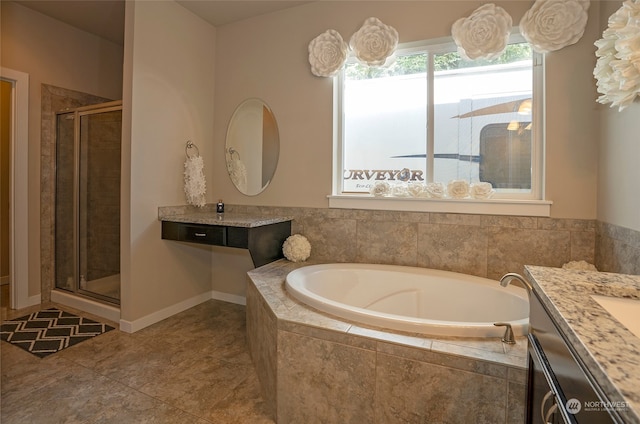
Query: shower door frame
x,y
78,114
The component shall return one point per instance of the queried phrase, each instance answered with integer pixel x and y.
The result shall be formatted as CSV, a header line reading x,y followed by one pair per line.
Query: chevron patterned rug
x,y
49,331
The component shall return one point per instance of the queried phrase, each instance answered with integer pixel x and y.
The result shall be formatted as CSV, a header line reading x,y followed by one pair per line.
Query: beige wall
x,y
57,54
168,99
619,173
267,57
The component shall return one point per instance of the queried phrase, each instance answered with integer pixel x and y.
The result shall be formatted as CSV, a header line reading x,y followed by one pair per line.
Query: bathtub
x,y
416,300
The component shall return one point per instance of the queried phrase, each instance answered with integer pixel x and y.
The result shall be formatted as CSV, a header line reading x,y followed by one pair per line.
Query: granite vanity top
x,y
208,216
610,352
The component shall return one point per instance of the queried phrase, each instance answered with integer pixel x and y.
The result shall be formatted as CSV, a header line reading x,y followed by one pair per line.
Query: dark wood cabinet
x,y
264,242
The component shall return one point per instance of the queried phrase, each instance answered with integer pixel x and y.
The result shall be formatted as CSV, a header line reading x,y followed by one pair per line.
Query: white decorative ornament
x,y
296,248
580,266
381,189
327,53
374,42
458,189
553,24
195,186
416,189
484,34
481,190
435,190
399,190
617,69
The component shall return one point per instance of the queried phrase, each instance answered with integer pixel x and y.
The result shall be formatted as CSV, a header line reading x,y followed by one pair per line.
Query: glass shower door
x,y
99,204
87,204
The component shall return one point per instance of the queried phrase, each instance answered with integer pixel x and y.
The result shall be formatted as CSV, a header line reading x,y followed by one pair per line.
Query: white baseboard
x,y
226,297
139,324
109,312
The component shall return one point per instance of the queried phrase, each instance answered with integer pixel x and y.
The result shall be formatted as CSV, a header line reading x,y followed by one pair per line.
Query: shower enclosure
x,y
87,201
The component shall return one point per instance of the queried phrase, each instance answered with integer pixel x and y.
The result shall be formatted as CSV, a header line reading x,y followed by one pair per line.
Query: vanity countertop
x,y
610,352
208,216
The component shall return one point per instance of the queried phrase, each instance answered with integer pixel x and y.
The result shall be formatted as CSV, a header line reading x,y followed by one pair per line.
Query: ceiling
x,y
105,18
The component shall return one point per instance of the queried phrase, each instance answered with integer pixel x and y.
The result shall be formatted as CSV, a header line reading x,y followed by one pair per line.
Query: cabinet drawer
x,y
204,234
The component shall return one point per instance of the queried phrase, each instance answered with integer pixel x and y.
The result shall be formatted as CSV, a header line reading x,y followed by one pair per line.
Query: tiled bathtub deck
x,y
314,368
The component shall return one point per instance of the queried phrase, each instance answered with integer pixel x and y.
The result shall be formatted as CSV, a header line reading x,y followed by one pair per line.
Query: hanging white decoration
x,y
374,43
194,183
327,53
484,34
617,69
553,24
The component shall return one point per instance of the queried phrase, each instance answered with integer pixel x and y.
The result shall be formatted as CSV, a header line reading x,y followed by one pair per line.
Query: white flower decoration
x,y
399,190
374,42
416,189
617,70
327,53
553,24
484,34
296,248
195,185
381,189
458,189
435,190
481,190
580,266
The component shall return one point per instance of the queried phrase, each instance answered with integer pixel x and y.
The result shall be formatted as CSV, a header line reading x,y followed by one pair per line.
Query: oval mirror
x,y
252,147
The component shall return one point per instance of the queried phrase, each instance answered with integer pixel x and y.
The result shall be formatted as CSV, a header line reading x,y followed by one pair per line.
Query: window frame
x,y
531,204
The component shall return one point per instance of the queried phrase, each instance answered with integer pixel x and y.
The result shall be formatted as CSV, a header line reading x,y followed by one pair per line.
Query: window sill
x,y
540,208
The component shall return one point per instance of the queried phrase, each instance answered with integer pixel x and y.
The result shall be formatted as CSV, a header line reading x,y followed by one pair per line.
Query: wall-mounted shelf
x,y
262,236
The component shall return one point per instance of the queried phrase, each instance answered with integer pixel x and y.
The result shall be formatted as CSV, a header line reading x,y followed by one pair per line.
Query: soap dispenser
x,y
220,206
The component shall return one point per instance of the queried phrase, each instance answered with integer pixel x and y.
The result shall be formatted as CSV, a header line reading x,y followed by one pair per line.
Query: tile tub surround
x,y
617,249
482,245
610,352
316,368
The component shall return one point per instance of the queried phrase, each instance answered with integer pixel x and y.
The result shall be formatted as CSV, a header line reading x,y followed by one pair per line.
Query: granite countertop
x,y
208,216
607,348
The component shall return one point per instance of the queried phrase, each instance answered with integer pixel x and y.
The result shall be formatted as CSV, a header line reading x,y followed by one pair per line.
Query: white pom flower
x,y
416,189
381,189
484,34
374,42
617,69
399,190
553,24
458,189
481,190
327,53
580,266
296,248
435,190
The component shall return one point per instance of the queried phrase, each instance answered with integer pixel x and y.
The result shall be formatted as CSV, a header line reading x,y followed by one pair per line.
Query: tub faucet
x,y
519,281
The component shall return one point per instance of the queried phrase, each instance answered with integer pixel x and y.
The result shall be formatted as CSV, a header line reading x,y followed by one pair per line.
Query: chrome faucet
x,y
520,281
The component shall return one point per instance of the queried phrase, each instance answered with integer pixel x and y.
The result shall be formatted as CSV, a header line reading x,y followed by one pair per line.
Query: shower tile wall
x,y
483,245
53,99
103,196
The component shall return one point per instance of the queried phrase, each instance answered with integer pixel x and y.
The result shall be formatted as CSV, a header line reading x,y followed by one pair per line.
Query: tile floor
x,y
191,368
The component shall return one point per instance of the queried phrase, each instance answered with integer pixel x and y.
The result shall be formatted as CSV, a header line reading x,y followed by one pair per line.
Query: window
x,y
433,117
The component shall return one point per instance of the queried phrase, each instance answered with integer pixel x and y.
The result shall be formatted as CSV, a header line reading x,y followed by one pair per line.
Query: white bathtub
x,y
417,300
